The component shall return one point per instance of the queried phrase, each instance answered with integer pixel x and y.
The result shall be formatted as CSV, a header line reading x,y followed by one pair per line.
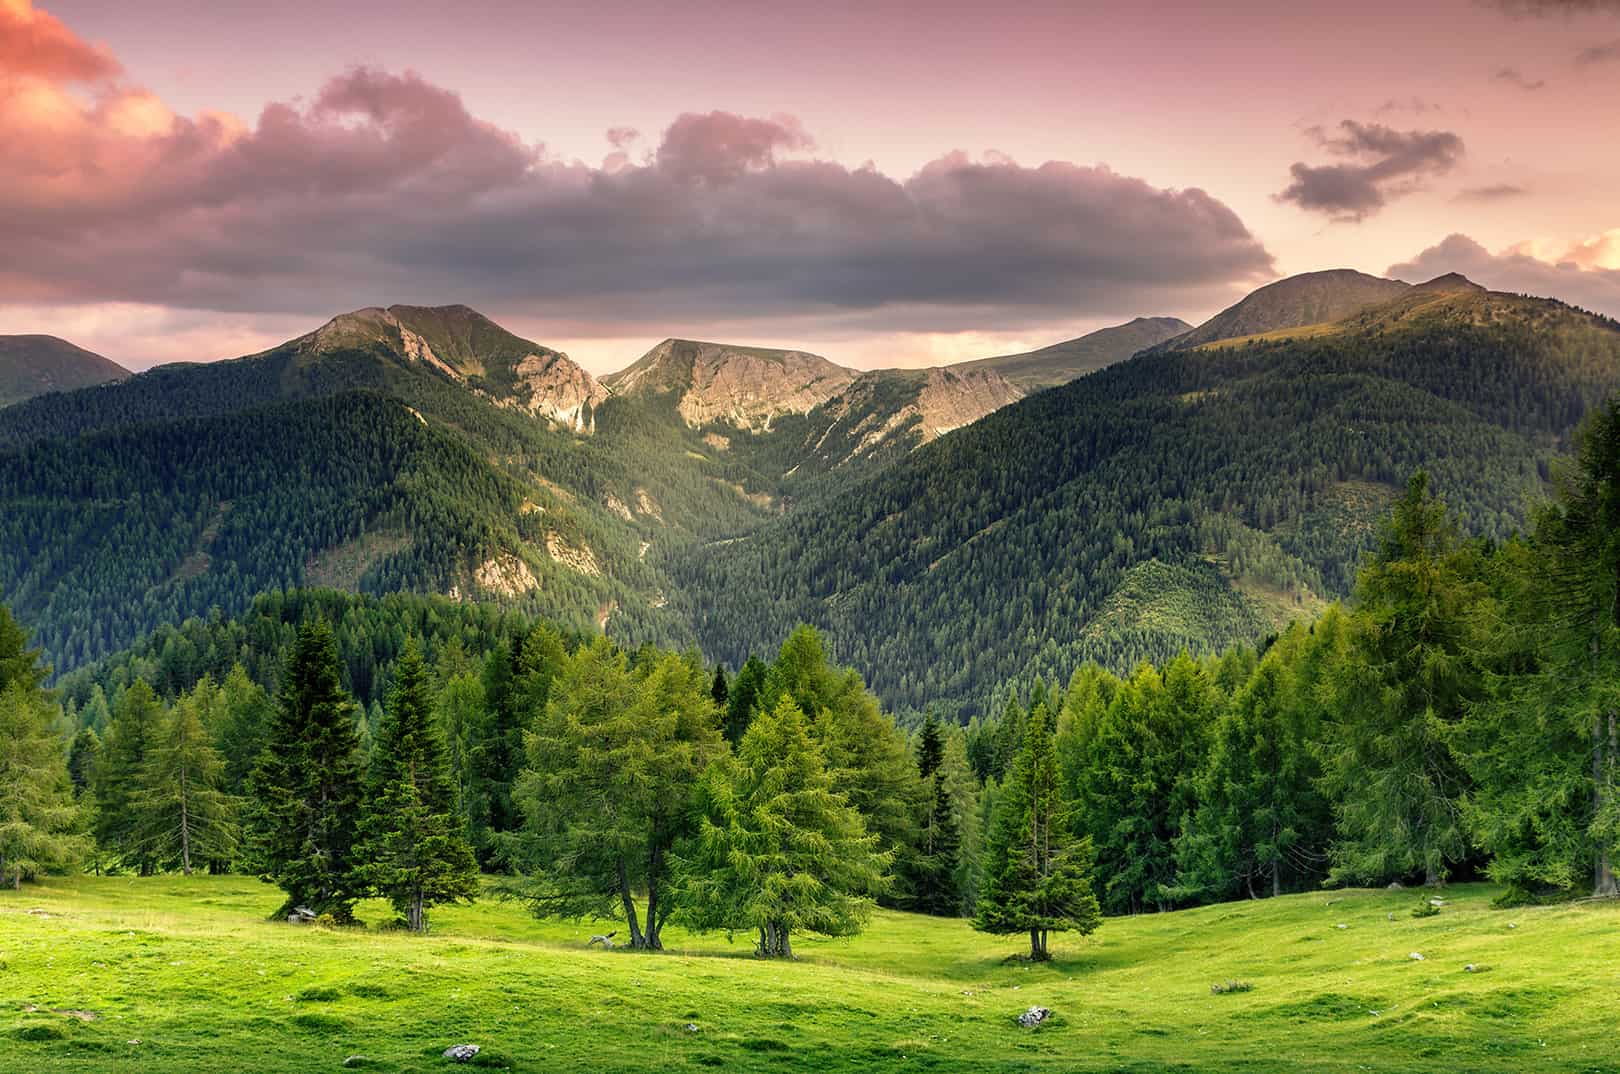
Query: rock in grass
x,y
1034,1017
357,1061
1416,956
461,1053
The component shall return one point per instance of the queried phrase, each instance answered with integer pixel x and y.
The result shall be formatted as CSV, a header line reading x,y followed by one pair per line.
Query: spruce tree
x,y
306,787
778,849
414,844
82,759
120,770
1037,875
933,864
742,698
185,815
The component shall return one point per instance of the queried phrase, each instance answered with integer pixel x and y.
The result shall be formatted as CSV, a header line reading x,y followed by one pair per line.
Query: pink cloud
x,y
384,187
35,44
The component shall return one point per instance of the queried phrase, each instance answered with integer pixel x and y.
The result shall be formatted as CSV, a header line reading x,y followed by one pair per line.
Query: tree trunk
x,y
629,902
1604,884
185,827
655,865
1276,880
418,914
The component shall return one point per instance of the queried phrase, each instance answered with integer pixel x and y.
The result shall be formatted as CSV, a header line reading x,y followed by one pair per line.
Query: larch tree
x,y
306,786
119,773
185,814
612,764
778,850
1544,748
414,844
1403,689
39,820
1037,874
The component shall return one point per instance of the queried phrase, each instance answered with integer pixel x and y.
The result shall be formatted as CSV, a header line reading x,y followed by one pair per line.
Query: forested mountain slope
x,y
1182,498
35,365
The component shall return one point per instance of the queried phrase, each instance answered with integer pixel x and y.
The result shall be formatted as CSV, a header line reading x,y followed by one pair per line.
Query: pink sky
x,y
886,183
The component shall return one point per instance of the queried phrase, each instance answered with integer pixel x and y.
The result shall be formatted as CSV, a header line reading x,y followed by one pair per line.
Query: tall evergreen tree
x,y
413,841
1037,875
1544,748
185,815
932,867
306,786
82,759
778,850
612,764
742,699
245,712
720,688
120,769
1403,689
39,820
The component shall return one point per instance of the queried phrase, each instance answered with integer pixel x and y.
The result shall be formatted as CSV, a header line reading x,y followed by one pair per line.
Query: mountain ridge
x,y
37,364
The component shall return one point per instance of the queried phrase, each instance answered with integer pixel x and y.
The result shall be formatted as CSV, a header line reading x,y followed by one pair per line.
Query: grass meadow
x,y
116,974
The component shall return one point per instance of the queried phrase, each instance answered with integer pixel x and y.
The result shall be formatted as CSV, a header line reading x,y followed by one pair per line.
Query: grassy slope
x,y
188,969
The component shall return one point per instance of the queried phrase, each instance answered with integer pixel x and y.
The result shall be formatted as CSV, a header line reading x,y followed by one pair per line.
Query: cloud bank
x,y
383,187
1584,273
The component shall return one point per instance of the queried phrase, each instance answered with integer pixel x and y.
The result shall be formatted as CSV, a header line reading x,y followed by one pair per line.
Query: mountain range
x,y
1120,496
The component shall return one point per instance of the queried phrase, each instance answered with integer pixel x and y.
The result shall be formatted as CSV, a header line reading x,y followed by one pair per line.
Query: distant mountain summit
x,y
747,387
1307,299
1063,362
35,365
465,346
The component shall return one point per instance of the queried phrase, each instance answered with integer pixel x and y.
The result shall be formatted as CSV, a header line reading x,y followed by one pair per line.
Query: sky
x,y
886,183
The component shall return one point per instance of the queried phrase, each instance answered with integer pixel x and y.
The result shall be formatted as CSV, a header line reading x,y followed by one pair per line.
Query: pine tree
x,y
306,787
1403,689
185,816
607,793
1037,875
930,747
413,843
120,767
778,850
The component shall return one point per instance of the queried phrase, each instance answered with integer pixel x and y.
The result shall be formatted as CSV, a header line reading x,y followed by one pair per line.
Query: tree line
x,y
1460,718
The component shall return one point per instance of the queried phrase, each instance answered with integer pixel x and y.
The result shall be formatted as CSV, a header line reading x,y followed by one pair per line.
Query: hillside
x,y
35,365
1307,299
1184,498
746,387
399,448
1063,362
119,973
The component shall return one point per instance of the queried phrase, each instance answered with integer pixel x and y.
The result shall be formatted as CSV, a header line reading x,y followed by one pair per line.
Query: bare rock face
x,y
469,348
560,390
743,386
951,399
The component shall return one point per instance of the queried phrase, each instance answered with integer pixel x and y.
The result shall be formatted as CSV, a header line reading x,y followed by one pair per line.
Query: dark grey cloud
x,y
1588,286
1512,76
1598,54
384,188
1380,164
1495,192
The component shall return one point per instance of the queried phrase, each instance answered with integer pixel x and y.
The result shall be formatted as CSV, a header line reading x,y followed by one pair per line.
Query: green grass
x,y
169,974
